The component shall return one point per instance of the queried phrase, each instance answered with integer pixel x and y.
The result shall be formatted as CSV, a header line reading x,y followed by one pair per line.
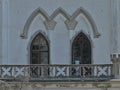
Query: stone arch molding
x,y
50,23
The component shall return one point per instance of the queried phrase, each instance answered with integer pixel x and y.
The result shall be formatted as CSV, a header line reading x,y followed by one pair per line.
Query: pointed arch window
x,y
81,50
39,50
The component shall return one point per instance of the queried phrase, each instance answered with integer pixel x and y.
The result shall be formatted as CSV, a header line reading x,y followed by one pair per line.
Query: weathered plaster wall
x,y
16,49
1,31
115,32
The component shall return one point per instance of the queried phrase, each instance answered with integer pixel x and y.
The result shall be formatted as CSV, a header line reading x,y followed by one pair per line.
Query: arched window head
x,y
81,50
39,50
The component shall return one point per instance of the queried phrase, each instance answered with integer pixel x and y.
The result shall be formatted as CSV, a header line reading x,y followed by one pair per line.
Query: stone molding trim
x,y
60,11
89,18
50,23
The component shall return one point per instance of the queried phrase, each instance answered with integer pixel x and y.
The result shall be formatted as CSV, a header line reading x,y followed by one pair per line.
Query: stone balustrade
x,y
66,73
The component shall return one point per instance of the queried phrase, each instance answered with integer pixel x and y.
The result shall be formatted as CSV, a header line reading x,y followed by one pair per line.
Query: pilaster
x,y
115,26
115,58
4,35
0,31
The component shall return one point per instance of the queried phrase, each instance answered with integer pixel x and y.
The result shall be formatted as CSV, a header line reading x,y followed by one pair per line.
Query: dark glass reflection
x,y
81,50
39,50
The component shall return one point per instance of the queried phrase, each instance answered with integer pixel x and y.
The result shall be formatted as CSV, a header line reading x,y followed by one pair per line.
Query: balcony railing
x,y
56,72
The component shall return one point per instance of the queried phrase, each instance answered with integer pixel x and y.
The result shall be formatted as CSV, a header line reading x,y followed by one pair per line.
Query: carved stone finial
x,y
115,57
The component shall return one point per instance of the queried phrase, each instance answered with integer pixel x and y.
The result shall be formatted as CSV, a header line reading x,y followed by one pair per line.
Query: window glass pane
x,y
81,49
39,50
76,54
35,47
36,41
44,48
34,57
44,57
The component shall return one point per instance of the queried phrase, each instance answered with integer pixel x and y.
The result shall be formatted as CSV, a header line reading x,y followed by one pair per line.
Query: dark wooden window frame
x,y
79,39
38,51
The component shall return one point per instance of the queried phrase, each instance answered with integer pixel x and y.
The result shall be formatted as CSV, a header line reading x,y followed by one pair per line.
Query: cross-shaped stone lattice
x,y
19,71
6,71
102,71
60,71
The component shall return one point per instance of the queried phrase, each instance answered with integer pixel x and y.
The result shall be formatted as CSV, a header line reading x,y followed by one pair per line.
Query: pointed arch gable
x,y
70,20
60,11
30,19
89,18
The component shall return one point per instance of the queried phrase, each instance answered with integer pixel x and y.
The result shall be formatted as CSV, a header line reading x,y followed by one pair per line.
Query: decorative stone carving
x,y
30,19
60,11
71,24
50,23
115,57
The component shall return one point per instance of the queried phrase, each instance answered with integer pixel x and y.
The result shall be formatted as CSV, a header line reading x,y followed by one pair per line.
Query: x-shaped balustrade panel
x,y
53,72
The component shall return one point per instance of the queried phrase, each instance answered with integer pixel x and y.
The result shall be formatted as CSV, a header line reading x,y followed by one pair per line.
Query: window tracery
x,y
81,50
39,50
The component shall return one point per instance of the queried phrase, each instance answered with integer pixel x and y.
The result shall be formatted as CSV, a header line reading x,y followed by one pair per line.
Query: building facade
x,y
62,35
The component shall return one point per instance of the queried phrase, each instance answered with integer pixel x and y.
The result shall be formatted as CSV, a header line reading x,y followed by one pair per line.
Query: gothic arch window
x,y
39,50
81,50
